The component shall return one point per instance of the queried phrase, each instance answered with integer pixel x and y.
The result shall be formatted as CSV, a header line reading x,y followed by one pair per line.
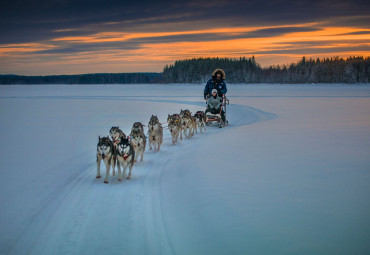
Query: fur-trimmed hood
x,y
222,72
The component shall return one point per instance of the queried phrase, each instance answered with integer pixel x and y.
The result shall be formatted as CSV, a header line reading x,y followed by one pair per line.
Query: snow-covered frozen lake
x,y
289,175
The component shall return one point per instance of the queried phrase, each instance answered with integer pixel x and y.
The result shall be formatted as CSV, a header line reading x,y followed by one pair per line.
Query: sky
x,y
45,37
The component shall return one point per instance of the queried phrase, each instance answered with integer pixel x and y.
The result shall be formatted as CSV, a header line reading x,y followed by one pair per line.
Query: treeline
x,y
327,70
246,70
99,78
241,70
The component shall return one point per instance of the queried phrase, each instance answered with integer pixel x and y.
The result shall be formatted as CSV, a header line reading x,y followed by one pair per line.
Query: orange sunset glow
x,y
111,47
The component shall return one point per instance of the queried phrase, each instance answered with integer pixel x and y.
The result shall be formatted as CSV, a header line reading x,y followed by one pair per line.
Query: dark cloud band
x,y
29,21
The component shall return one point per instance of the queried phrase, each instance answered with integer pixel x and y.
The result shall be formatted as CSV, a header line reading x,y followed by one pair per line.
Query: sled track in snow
x,y
120,217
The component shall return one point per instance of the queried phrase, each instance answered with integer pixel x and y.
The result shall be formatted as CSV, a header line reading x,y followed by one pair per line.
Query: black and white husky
x,y
201,120
105,152
175,127
138,140
155,133
125,158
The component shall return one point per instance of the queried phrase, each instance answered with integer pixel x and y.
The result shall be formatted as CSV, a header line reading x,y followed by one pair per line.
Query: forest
x,y
97,78
247,70
238,70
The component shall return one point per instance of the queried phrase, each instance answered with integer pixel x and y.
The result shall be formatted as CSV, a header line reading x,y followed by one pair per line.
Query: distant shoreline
x,y
352,70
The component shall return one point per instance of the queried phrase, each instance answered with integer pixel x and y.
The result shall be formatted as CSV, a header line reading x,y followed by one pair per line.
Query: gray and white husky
x,y
138,140
175,127
155,133
187,123
201,120
105,152
125,158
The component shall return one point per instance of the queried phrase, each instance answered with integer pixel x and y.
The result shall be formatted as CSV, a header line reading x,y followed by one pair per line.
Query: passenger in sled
x,y
214,106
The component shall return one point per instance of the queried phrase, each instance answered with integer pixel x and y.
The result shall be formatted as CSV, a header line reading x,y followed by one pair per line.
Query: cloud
x,y
101,42
26,21
321,43
88,31
357,33
313,50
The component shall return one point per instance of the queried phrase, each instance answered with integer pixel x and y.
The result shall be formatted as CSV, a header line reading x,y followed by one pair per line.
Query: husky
x,y
138,140
125,158
175,127
116,134
201,120
155,132
138,127
187,123
105,152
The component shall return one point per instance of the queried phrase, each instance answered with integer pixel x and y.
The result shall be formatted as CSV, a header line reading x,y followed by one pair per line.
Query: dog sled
x,y
216,118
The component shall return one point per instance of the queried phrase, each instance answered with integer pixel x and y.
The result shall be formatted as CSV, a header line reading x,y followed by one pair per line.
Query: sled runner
x,y
216,118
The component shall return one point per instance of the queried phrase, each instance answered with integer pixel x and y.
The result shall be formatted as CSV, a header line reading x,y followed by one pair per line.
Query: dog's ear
x,y
99,138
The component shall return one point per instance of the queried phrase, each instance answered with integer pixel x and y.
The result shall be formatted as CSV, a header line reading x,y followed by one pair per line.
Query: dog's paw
x,y
106,181
119,179
128,178
97,177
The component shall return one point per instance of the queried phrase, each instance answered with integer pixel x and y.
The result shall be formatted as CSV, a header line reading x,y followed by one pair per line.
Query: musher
x,y
216,82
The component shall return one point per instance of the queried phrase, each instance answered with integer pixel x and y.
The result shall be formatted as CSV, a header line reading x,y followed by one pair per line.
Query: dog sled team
x,y
123,151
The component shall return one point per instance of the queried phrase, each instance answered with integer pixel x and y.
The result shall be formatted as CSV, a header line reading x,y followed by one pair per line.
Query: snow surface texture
x,y
289,175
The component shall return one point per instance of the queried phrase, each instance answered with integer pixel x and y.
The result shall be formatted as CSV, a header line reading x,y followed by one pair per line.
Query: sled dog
x,y
105,152
187,123
201,120
116,134
138,127
175,127
155,132
138,140
125,158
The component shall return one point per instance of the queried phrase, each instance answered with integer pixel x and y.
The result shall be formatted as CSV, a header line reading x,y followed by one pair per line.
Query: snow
x,y
289,175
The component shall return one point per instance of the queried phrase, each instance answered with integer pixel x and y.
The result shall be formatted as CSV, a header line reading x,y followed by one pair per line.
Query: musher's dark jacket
x,y
213,83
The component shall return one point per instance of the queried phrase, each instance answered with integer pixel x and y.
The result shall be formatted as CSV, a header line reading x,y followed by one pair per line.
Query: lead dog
x,y
155,132
138,140
125,158
175,127
105,152
116,134
201,120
